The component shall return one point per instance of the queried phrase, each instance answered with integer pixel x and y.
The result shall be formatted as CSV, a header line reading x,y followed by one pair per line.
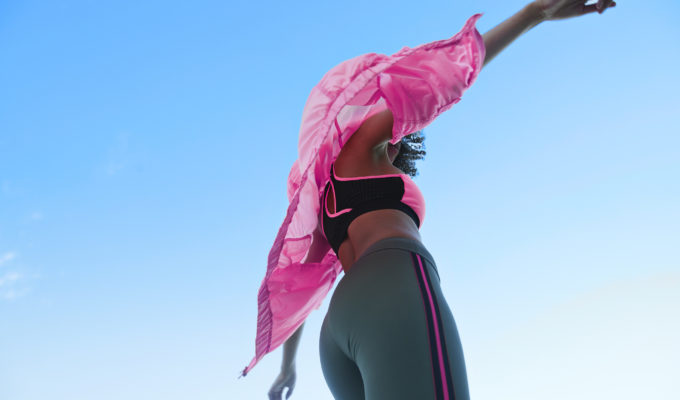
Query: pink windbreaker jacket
x,y
417,85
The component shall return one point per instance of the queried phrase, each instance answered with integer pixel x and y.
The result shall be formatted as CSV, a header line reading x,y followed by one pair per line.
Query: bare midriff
x,y
372,227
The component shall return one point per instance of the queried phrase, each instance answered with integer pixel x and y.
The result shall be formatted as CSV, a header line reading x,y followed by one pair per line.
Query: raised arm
x,y
507,31
376,131
533,14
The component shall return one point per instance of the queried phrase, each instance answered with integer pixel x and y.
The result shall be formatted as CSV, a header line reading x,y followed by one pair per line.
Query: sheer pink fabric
x,y
417,85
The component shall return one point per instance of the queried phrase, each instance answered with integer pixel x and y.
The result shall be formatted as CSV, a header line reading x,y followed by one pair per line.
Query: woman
x,y
388,333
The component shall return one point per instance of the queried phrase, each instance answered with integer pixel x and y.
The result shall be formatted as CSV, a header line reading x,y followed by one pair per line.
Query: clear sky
x,y
144,150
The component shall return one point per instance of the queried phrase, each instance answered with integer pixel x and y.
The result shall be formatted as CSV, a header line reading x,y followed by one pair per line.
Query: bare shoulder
x,y
364,152
372,134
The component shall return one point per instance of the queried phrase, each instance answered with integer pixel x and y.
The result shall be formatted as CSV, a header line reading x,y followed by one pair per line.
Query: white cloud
x,y
9,278
8,286
7,257
13,294
13,283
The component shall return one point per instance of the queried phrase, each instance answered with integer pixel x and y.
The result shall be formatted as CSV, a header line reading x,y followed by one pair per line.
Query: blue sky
x,y
144,150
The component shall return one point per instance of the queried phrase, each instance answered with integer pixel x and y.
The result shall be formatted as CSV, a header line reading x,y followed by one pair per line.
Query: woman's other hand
x,y
560,9
285,379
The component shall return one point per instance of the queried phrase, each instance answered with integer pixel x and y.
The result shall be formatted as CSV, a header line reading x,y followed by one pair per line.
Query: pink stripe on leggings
x,y
436,330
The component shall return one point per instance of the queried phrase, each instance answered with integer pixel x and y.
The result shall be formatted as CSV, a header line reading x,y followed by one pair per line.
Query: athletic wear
x,y
417,85
389,332
358,195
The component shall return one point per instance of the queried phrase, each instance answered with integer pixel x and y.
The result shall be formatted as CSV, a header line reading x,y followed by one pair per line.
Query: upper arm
x,y
373,133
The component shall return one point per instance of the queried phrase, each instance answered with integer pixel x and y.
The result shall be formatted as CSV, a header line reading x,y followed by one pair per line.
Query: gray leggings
x,y
389,333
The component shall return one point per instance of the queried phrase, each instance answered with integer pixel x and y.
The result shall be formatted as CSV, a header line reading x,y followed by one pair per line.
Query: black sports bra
x,y
359,195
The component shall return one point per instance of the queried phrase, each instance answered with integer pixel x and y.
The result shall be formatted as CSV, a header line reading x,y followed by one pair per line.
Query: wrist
x,y
535,13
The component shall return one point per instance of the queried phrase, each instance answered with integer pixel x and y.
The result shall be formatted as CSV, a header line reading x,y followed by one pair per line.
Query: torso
x,y
372,226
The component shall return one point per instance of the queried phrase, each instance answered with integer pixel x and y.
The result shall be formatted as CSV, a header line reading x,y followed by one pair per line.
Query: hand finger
x,y
589,9
608,4
290,391
593,8
275,395
604,4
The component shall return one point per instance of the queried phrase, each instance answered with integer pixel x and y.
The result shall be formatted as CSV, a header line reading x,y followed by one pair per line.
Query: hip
x,y
386,269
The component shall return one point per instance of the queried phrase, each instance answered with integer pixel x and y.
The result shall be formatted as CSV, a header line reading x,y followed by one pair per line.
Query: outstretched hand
x,y
561,9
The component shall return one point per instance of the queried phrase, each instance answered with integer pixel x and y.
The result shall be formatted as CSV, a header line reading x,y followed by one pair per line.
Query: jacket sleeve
x,y
427,80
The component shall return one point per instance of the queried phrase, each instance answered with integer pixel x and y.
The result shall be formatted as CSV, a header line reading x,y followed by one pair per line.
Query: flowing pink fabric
x,y
417,85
